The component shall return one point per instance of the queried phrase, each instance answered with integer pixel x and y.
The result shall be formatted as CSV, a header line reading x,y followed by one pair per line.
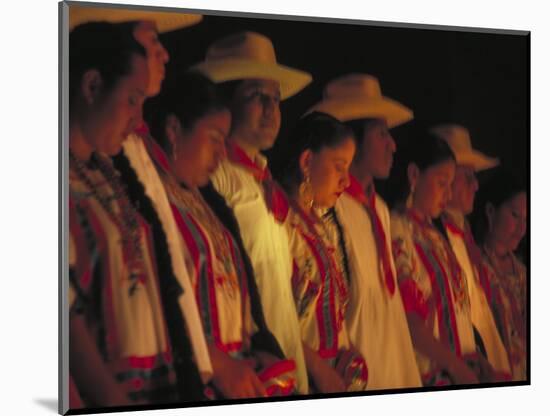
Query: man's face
x,y
157,57
375,156
256,113
465,187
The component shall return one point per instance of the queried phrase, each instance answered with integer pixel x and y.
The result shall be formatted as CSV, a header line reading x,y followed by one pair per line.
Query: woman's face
x,y
200,149
329,172
432,189
508,222
114,114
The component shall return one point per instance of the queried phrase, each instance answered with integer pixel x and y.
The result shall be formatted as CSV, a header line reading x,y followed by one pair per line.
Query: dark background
x,y
479,80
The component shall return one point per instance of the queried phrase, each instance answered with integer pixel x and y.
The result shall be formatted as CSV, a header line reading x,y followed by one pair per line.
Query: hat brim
x,y
476,159
357,108
165,21
291,81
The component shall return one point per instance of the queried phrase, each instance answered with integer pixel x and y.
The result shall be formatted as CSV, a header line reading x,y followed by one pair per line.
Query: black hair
x,y
429,150
106,47
425,150
227,89
315,131
189,97
499,189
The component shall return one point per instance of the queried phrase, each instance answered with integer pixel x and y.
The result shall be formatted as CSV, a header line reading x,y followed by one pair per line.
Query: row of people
x,y
195,274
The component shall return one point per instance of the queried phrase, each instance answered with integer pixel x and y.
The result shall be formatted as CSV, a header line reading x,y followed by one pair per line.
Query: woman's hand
x,y
461,373
265,359
90,373
425,343
235,379
325,378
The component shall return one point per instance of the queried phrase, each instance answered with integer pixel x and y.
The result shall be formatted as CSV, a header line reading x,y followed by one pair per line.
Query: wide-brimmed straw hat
x,y
249,55
165,21
358,96
458,139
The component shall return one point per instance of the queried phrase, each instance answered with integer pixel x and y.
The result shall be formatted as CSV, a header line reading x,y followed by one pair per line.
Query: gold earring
x,y
306,192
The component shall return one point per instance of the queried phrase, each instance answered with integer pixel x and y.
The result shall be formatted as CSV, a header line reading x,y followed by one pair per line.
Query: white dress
x,y
266,242
376,321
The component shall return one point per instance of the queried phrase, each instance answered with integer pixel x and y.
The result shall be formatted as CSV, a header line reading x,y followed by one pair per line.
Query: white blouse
x,y
376,321
266,243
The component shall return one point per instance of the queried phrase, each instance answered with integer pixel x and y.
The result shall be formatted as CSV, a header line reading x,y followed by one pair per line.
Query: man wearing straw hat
x,y
138,164
246,67
360,224
469,161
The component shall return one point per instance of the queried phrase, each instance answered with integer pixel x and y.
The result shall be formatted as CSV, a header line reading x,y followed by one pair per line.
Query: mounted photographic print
x,y
267,208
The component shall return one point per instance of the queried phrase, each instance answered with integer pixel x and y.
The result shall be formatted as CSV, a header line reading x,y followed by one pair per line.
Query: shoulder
x,y
228,178
400,223
381,206
227,170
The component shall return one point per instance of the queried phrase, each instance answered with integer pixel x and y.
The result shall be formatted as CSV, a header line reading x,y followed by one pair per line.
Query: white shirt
x,y
377,322
139,159
482,317
266,243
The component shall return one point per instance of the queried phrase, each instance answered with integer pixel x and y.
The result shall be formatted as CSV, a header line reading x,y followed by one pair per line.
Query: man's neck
x,y
365,179
250,151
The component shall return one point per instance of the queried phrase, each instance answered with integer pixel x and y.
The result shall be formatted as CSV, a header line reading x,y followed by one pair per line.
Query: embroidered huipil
x,y
375,318
260,210
121,307
508,301
469,257
321,294
148,161
216,269
433,286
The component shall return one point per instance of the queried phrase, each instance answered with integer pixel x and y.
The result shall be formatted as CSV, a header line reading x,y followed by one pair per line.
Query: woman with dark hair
x,y
137,165
500,229
431,281
191,123
120,352
315,175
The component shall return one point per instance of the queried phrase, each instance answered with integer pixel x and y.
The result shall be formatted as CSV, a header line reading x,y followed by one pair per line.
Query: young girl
x,y
314,177
120,351
191,123
504,205
432,284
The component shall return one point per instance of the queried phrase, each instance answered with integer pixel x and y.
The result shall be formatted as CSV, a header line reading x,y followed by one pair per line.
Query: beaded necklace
x,y
125,218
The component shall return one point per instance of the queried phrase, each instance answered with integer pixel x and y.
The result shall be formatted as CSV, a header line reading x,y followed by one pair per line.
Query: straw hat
x,y
248,55
165,21
458,139
358,96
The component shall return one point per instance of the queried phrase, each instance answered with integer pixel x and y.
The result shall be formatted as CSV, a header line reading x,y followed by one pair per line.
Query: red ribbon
x,y
369,202
275,197
474,253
